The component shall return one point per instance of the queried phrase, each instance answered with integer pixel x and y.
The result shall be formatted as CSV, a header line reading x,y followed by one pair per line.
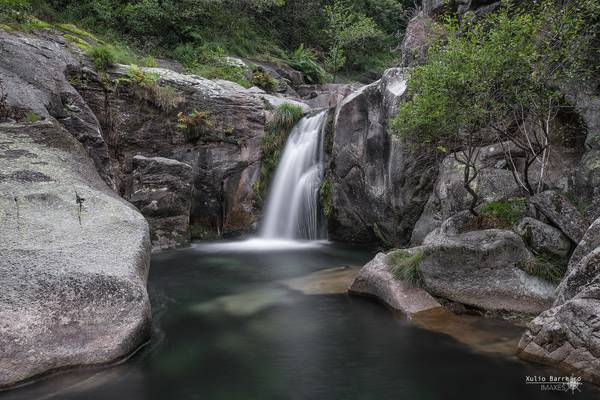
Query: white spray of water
x,y
292,209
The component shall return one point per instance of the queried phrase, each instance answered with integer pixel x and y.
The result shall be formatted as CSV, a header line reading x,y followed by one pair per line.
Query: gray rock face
x,y
325,96
481,269
566,336
73,288
543,239
225,158
162,191
379,185
562,214
34,73
449,196
375,280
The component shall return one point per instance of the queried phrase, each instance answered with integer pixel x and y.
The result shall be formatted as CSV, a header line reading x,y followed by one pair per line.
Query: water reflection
x,y
257,325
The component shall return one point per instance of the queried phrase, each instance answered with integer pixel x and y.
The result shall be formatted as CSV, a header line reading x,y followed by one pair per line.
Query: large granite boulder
x,y
566,335
162,191
33,72
326,96
74,261
376,280
481,269
379,185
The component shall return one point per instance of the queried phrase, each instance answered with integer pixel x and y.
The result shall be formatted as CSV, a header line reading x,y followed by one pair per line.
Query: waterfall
x,y
292,208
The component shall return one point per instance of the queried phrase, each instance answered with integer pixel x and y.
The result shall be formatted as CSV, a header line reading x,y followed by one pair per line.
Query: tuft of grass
x,y
31,118
552,270
272,144
195,124
146,88
103,57
79,42
507,211
406,266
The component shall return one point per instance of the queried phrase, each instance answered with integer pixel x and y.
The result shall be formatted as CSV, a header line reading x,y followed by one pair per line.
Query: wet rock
x,y
379,185
562,214
74,261
375,280
543,239
162,191
481,269
566,336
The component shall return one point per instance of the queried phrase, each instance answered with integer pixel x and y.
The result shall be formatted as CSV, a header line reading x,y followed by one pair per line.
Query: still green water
x,y
230,326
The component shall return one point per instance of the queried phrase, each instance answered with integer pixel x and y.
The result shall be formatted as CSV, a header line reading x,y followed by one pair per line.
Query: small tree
x,y
499,72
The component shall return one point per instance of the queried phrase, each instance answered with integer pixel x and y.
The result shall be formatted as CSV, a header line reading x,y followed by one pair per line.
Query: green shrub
x,y
195,124
272,144
507,211
103,57
305,60
263,80
552,270
406,266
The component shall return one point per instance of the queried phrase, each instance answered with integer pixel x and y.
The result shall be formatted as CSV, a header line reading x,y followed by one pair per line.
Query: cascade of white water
x,y
292,210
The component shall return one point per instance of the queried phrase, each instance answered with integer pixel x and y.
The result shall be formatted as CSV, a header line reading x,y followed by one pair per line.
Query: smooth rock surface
x,y
375,280
379,185
162,191
72,275
480,269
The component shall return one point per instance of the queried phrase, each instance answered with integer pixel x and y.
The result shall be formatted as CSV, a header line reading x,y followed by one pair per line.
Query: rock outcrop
x,y
379,186
543,239
33,72
162,191
74,261
562,214
566,335
376,280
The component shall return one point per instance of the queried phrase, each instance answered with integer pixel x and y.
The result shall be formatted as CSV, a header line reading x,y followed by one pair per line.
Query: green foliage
x,y
195,124
147,88
552,270
31,118
508,211
263,80
103,57
272,144
305,60
325,196
406,266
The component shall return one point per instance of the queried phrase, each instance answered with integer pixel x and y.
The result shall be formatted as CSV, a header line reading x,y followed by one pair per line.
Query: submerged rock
x,y
566,335
74,261
162,191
